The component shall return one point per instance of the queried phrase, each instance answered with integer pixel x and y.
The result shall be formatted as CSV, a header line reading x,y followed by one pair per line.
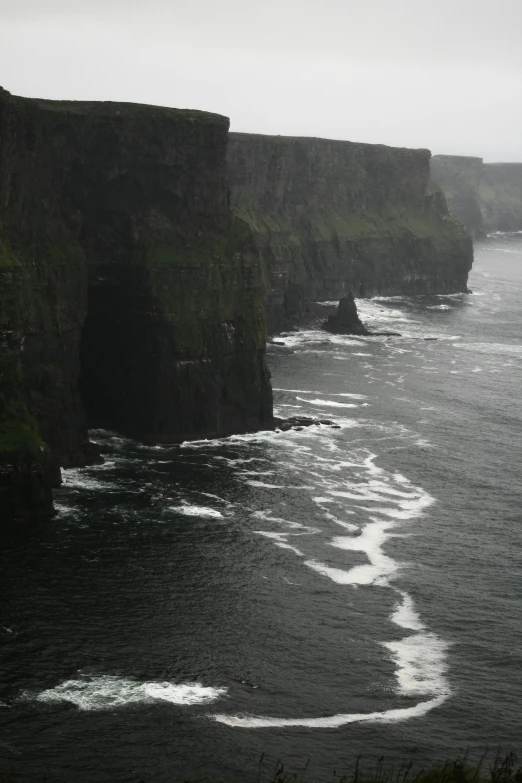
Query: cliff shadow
x,y
117,350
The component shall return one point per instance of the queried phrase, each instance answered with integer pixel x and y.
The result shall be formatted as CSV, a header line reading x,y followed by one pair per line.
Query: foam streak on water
x,y
378,504
109,692
334,721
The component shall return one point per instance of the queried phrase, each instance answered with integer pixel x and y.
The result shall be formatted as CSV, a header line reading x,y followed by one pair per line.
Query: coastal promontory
x,y
130,298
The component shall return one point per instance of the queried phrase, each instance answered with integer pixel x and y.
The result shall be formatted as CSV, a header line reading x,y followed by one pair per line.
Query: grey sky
x,y
442,74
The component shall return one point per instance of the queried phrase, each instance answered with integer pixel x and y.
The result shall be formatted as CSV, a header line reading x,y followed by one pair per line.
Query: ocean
x,y
349,588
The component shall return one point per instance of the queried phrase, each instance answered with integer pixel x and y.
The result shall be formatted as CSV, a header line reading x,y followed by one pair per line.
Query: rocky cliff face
x,y
333,216
486,197
129,296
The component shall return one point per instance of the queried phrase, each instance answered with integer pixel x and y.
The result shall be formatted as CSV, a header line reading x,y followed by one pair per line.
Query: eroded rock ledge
x,y
129,296
331,217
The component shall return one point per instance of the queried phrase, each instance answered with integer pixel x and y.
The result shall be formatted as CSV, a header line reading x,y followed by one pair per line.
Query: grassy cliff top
x,y
288,140
118,109
458,159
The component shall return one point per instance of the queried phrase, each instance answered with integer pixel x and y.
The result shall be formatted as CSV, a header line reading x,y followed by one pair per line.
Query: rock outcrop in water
x,y
346,320
129,297
486,197
333,216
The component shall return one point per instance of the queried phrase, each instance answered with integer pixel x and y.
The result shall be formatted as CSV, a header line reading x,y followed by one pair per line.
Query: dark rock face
x,y
486,197
332,216
129,296
346,320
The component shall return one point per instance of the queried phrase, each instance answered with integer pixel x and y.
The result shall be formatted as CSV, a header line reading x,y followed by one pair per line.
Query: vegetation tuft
x,y
503,769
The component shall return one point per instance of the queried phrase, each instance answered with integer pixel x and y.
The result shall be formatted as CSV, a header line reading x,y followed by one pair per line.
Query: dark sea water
x,y
310,594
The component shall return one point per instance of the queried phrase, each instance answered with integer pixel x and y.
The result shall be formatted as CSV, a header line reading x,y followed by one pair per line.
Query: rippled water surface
x,y
316,593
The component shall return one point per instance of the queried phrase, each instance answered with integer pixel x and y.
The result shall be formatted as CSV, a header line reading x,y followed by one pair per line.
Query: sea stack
x,y
346,320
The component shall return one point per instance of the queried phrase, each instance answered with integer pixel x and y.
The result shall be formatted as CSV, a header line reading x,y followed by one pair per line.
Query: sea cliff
x,y
130,298
486,197
330,217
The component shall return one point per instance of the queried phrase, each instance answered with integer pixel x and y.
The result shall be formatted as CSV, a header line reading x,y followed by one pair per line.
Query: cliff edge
x,y
486,197
331,217
130,298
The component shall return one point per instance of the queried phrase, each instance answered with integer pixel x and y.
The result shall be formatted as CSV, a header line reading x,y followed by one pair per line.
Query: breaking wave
x,y
108,692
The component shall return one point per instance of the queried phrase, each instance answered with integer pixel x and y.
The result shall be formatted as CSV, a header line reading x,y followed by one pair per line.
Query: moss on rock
x,y
128,296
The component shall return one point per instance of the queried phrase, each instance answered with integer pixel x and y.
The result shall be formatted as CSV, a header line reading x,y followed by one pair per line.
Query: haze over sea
x,y
316,593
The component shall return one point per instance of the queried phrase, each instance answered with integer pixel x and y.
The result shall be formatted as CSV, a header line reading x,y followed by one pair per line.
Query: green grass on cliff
x,y
390,221
501,770
141,111
7,258
18,436
167,254
19,430
500,193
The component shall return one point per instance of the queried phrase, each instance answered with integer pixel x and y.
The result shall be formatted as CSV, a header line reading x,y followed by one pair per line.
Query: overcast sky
x,y
442,74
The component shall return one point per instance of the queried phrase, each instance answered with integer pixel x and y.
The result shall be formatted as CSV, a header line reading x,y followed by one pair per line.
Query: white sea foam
x,y
266,485
296,526
405,615
370,541
316,337
375,572
373,311
421,664
280,537
333,721
263,436
338,575
327,394
78,478
196,511
293,549
106,692
390,500
63,510
380,502
330,403
494,348
346,525
215,497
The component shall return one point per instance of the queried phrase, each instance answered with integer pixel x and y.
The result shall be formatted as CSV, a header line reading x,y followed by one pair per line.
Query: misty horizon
x,y
446,78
